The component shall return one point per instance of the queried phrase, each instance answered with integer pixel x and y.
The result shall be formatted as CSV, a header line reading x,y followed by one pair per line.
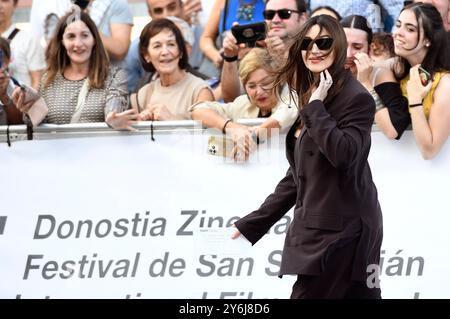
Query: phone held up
x,y
38,110
220,146
425,76
249,33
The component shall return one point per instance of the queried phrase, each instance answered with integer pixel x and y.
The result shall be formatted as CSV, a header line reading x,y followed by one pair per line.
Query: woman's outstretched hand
x,y
122,120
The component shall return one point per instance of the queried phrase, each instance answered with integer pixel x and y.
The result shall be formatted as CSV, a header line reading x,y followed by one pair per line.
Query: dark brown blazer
x,y
330,184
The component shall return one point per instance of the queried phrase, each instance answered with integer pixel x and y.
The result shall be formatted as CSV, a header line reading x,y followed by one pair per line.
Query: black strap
x,y
151,131
8,140
13,34
30,131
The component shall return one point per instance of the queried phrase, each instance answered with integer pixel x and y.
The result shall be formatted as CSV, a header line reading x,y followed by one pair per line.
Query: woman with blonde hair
x,y
260,100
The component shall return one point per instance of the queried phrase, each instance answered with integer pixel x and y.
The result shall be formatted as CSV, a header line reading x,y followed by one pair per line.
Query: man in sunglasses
x,y
284,19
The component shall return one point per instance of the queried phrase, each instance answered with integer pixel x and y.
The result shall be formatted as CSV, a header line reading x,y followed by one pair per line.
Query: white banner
x,y
125,217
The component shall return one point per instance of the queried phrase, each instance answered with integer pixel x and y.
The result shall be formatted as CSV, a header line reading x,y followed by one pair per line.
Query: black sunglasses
x,y
322,43
282,13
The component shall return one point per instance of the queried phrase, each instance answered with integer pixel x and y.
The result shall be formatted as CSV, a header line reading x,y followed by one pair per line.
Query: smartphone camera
x,y
249,33
212,149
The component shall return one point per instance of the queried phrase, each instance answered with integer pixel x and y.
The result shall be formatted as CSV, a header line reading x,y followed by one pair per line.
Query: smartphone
x,y
249,33
220,146
38,111
30,93
425,76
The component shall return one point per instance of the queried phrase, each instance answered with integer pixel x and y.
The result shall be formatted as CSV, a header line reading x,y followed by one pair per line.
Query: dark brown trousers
x,y
335,282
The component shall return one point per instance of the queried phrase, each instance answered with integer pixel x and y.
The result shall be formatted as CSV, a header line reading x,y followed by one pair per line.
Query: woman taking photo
x,y
260,100
422,45
333,243
79,86
162,49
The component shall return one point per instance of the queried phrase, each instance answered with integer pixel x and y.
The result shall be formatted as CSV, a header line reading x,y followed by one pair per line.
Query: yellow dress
x,y
428,100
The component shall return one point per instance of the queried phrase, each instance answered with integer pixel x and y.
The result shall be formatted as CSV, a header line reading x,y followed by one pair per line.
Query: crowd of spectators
x,y
80,61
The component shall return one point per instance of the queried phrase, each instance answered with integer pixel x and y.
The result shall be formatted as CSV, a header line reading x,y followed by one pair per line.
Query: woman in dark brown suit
x,y
333,243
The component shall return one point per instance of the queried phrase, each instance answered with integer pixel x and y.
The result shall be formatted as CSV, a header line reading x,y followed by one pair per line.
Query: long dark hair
x,y
57,58
299,77
437,57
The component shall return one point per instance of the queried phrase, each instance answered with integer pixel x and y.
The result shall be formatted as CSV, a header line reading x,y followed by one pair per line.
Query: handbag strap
x,y
80,102
148,94
13,34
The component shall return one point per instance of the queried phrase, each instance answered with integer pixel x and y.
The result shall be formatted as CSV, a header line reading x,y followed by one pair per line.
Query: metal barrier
x,y
54,131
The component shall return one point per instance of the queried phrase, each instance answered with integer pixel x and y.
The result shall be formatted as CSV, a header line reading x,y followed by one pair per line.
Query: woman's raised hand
x,y
18,98
326,81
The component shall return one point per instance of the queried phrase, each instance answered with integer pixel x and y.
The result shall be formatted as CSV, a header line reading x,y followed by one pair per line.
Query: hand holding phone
x,y
249,33
28,101
425,76
30,93
220,146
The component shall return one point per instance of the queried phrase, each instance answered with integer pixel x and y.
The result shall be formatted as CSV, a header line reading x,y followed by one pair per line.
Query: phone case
x,y
425,76
30,94
38,112
220,146
249,32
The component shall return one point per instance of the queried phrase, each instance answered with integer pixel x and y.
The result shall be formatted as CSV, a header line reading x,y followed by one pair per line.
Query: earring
x,y
427,44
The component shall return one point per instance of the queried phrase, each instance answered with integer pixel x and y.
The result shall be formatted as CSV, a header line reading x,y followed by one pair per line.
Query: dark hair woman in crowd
x,y
375,77
333,243
423,69
79,86
162,49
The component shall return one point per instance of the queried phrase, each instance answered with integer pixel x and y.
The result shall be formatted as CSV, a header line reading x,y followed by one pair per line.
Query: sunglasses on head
x,y
322,43
282,13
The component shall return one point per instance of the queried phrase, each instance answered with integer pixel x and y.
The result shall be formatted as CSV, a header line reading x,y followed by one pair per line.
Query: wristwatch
x,y
228,58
